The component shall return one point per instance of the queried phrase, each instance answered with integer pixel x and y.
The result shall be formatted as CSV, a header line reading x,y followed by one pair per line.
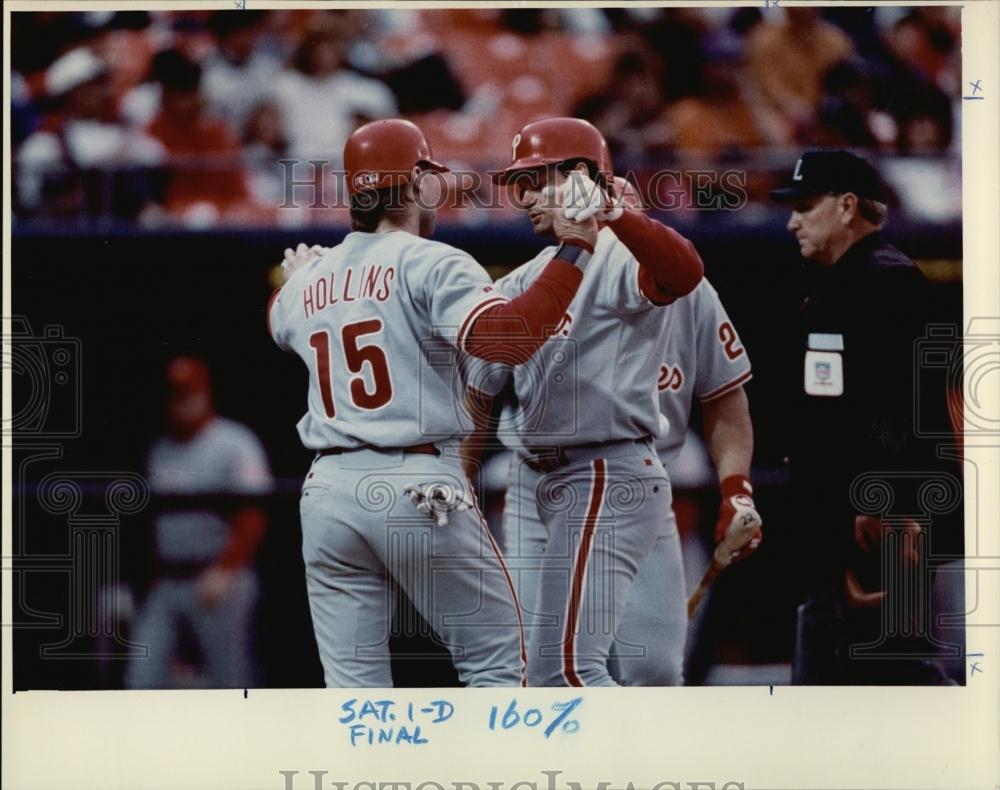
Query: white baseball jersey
x,y
594,380
703,358
223,458
379,321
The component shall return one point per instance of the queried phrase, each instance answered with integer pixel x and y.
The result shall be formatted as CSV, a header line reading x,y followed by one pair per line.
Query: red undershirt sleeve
x,y
670,266
513,331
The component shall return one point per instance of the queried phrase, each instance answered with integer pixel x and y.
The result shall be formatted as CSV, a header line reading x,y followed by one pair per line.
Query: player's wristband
x,y
735,485
573,253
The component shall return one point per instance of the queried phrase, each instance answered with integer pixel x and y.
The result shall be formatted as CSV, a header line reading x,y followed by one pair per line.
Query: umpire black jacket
x,y
854,452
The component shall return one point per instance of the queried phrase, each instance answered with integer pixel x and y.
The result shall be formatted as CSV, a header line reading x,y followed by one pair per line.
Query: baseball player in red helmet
x,y
584,415
702,358
371,319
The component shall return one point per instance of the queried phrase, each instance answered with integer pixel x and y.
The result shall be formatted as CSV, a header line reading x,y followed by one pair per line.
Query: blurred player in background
x,y
206,587
375,398
584,420
865,310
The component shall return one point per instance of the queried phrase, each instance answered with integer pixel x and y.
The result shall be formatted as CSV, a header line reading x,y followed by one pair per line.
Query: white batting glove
x,y
627,194
583,199
299,257
738,529
437,500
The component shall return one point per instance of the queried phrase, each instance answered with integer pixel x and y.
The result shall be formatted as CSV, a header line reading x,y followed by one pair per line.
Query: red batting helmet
x,y
384,153
555,140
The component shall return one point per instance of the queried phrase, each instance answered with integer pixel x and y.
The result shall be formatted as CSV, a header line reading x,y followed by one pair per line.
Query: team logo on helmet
x,y
513,147
365,180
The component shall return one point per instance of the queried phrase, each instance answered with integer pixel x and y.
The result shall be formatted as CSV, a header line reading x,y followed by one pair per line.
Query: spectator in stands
x,y
926,125
716,119
237,78
206,176
264,144
320,100
206,586
628,111
926,40
676,39
788,60
69,164
848,114
917,66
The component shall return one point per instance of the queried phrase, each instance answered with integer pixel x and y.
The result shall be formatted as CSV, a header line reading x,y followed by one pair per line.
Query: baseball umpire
x,y
865,308
365,317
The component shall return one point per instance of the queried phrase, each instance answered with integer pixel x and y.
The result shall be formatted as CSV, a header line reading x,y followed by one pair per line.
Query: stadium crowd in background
x,y
183,115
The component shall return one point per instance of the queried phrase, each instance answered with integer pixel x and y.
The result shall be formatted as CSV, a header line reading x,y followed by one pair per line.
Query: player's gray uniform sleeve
x,y
723,363
456,291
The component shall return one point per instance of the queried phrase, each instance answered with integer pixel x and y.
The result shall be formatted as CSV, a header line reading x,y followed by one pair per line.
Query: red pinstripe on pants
x,y
575,603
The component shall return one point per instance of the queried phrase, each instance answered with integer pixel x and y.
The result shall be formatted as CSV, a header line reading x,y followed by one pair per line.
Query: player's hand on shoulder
x,y
299,257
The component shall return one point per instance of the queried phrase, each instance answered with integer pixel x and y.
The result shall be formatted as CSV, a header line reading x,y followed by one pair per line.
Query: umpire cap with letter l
x,y
384,153
554,140
837,172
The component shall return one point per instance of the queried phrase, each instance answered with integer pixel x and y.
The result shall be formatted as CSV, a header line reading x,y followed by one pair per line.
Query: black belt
x,y
421,449
543,464
550,459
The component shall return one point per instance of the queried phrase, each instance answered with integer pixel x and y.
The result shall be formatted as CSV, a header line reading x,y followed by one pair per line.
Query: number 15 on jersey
x,y
355,355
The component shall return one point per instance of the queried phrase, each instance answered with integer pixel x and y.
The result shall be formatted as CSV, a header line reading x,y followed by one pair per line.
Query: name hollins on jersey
x,y
348,285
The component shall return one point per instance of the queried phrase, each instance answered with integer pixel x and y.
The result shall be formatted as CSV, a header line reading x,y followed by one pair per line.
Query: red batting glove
x,y
737,503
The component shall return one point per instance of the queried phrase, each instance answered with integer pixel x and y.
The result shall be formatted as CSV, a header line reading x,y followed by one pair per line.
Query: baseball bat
x,y
738,535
